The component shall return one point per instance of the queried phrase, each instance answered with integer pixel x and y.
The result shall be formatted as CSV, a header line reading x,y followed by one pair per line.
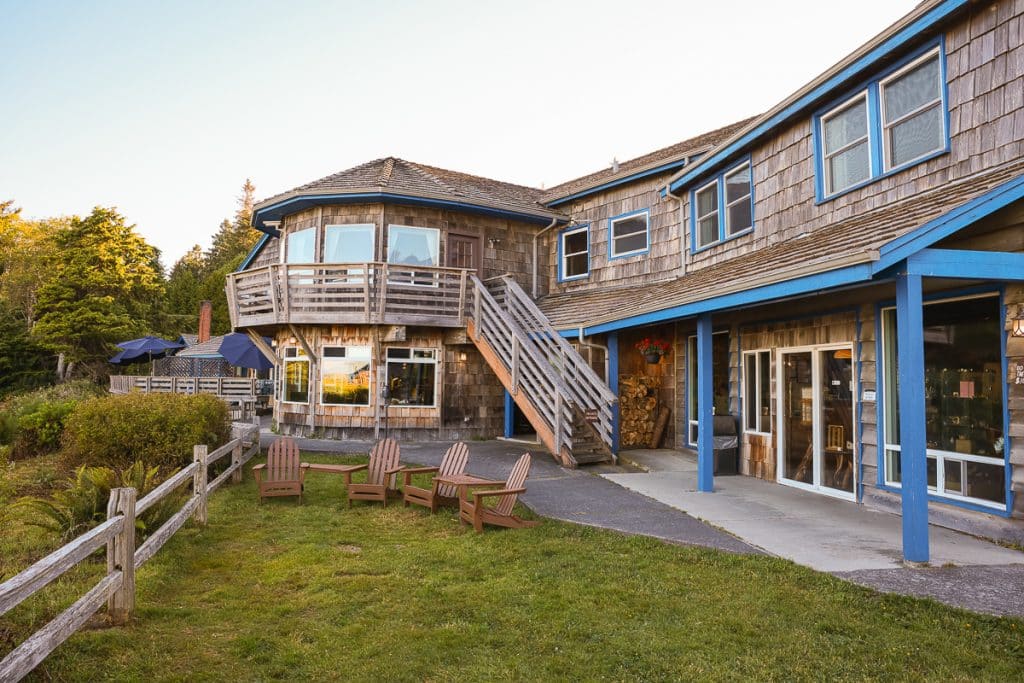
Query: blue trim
x,y
894,43
561,240
612,342
722,219
630,254
879,400
1005,363
254,251
510,422
968,265
872,90
859,445
278,210
705,405
671,166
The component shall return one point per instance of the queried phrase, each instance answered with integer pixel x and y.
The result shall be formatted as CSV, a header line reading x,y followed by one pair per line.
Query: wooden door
x,y
464,252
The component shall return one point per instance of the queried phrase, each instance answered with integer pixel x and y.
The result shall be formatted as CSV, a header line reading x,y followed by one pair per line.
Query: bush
x,y
32,423
159,429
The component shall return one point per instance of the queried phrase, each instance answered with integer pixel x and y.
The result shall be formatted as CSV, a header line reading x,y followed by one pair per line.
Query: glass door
x,y
816,420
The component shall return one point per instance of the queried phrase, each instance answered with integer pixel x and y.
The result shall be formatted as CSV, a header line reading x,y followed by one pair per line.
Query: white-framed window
x,y
412,246
412,377
757,391
345,376
295,378
353,243
574,253
301,246
724,207
846,144
913,119
964,425
629,234
891,122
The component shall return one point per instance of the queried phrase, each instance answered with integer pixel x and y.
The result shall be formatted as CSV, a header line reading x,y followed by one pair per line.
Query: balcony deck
x,y
348,293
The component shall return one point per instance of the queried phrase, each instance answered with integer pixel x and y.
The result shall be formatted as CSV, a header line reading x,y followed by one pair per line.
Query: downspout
x,y
553,223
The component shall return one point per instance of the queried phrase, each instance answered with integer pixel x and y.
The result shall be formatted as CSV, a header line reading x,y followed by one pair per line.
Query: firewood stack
x,y
638,407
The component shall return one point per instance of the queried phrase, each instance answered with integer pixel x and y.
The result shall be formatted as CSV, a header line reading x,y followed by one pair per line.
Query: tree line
x,y
72,287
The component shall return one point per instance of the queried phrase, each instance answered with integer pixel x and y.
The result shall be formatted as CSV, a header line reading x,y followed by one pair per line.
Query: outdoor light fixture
x,y
1018,328
462,356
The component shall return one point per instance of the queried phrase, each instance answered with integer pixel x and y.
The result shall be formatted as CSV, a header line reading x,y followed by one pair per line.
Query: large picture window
x,y
890,123
409,246
628,235
964,426
345,376
295,376
302,246
757,391
719,379
349,244
574,253
412,376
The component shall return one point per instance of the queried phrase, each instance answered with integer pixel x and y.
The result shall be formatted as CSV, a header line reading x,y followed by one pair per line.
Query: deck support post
x,y
613,384
705,405
509,415
913,460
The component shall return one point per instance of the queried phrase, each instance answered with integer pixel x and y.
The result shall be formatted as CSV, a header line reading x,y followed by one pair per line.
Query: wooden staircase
x,y
555,387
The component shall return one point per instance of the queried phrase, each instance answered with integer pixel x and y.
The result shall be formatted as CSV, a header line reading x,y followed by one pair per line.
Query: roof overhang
x,y
914,27
629,177
295,202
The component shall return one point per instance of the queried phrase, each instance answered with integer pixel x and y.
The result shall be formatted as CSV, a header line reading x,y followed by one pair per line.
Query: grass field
x,y
318,591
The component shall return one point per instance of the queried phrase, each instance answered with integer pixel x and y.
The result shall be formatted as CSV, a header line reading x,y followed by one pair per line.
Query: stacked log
x,y
638,407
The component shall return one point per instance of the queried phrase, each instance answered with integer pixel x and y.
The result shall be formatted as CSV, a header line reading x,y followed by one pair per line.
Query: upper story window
x,y
574,253
723,208
892,122
629,234
413,246
348,243
301,246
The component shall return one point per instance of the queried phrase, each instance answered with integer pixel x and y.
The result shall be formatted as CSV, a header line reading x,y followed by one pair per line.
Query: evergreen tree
x,y
104,284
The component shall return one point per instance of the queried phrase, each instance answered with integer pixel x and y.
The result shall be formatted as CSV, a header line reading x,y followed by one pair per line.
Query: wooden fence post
x,y
236,462
199,481
121,555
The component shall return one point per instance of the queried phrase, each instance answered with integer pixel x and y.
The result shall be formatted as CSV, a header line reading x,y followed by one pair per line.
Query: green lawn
x,y
318,591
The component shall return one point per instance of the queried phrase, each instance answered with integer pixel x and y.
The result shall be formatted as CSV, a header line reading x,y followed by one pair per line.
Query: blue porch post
x,y
510,408
705,403
913,463
613,384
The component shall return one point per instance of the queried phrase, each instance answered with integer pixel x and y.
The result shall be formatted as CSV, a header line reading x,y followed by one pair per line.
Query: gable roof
x,y
397,179
869,242
662,160
207,349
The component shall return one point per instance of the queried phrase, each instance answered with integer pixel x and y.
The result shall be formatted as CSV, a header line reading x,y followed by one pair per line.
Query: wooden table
x,y
463,481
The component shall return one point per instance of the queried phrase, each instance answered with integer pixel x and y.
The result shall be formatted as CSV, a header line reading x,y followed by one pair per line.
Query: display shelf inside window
x,y
964,411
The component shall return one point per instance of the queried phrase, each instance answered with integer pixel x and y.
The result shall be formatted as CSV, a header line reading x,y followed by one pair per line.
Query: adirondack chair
x,y
284,473
381,477
476,513
453,462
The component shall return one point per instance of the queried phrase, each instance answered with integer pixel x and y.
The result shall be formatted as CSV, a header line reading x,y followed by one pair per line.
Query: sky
x,y
163,109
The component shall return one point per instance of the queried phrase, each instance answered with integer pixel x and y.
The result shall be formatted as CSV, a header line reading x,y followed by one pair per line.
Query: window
x,y
302,246
757,391
348,244
963,394
628,234
413,247
574,253
719,379
723,208
889,124
411,376
296,376
345,376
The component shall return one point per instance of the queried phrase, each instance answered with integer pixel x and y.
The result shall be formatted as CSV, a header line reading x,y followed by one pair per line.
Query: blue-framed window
x,y
965,397
629,234
888,124
723,207
574,253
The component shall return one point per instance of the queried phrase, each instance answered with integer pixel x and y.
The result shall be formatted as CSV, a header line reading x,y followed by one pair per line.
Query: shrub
x,y
83,502
159,429
32,422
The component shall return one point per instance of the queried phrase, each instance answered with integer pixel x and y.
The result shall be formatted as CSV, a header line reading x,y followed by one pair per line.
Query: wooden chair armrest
x,y
498,492
394,470
261,466
420,470
304,465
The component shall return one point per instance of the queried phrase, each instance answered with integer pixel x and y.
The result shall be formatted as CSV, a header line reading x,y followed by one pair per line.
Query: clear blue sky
x,y
163,109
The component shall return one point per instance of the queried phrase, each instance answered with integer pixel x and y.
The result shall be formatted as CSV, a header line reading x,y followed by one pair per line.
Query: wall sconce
x,y
1017,329
463,356
493,242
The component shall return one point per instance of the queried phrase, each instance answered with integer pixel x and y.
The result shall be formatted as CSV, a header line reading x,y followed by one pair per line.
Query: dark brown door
x,y
464,252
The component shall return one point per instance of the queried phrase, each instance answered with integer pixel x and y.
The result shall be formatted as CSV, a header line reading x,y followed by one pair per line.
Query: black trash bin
x,y
726,445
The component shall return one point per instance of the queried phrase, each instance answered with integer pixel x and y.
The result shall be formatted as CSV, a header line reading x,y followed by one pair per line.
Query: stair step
x,y
589,458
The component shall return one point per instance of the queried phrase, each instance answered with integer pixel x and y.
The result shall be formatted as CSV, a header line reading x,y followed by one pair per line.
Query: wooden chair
x,y
476,513
453,462
285,475
381,477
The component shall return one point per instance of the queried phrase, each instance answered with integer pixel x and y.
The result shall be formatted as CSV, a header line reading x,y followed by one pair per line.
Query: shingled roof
x,y
400,177
854,240
666,155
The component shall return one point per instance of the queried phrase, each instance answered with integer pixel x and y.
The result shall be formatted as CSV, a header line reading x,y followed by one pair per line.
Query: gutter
x,y
553,223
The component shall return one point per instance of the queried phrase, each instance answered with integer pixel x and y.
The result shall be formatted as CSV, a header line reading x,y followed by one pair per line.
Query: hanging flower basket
x,y
652,349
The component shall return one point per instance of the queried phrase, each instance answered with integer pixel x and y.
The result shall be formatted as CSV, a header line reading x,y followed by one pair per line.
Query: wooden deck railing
x,y
117,587
353,293
232,387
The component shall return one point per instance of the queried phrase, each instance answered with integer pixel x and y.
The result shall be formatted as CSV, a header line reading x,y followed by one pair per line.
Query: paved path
x,y
584,497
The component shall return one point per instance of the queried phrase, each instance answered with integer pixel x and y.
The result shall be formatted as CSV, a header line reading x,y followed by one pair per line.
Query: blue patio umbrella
x,y
144,348
241,352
